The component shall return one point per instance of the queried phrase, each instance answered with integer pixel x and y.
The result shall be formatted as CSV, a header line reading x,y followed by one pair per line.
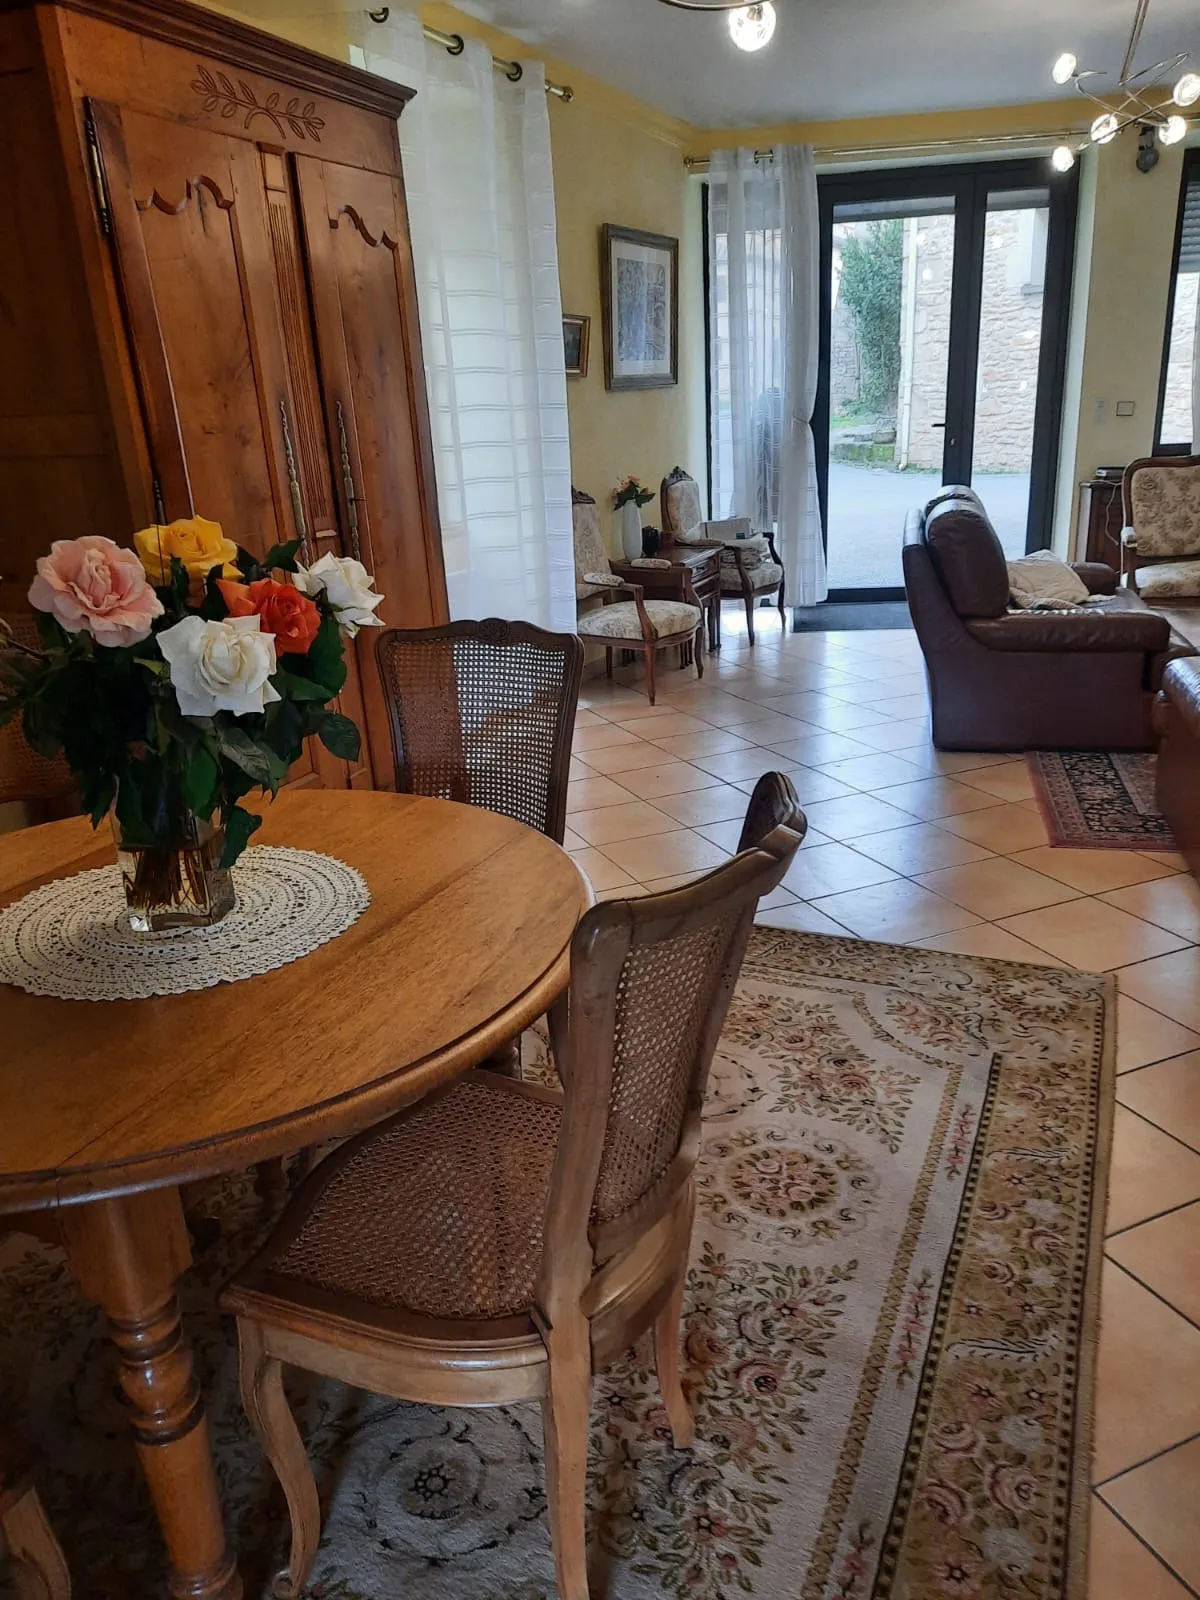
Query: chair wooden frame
x,y
39,1568
601,1284
1131,558
567,648
749,594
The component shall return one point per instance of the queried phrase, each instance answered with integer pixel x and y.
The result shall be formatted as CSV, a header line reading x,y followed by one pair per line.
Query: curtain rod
x,y
765,157
456,44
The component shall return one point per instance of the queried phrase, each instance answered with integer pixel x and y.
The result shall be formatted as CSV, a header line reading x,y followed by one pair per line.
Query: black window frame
x,y
1190,176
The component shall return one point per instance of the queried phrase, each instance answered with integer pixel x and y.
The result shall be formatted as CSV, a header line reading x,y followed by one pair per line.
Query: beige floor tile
x,y
831,868
872,772
673,777
677,880
1159,1500
934,798
854,815
588,719
985,939
1167,858
1167,1094
601,737
665,855
800,917
1170,984
1120,1567
607,698
814,748
996,888
1011,782
902,708
576,769
1005,829
723,834
896,736
695,808
899,912
766,727
716,707
600,871
1165,1256
587,794
633,821
686,746
838,716
1091,935
1144,1035
618,758
740,766
955,761
1094,871
812,785
1151,1173
920,847
1142,1405
777,900
1170,902
855,691
572,841
632,709
629,891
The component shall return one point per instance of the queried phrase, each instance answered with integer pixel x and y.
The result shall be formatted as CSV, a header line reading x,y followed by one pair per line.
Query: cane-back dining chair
x,y
483,713
43,786
38,1568
503,1241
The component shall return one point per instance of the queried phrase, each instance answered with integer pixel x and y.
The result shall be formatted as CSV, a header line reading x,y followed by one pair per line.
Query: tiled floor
x,y
949,852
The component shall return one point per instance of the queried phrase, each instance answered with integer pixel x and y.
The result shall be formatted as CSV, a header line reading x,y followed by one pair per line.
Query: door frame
x,y
969,183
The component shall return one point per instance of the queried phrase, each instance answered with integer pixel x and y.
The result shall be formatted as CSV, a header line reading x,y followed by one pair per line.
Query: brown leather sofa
x,y
1008,680
1177,719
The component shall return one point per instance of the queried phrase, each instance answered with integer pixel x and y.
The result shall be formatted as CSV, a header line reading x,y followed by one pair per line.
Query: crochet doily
x,y
71,939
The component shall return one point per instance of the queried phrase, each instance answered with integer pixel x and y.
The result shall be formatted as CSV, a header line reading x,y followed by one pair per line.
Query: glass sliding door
x,y
943,340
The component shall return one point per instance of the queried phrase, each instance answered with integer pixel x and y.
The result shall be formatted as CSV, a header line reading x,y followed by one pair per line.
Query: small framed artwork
x,y
577,336
639,277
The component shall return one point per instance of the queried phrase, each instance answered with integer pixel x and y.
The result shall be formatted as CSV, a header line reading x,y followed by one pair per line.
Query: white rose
x,y
219,666
347,586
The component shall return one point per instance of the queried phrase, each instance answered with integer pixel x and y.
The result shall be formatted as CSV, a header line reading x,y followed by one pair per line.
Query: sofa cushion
x,y
1115,623
1181,685
1170,580
1042,577
967,556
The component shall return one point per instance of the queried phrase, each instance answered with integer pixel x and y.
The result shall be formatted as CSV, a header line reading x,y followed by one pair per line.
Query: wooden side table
x,y
701,562
1101,517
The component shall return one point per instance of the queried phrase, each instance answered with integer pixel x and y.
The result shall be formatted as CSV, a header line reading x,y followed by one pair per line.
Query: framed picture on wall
x,y
639,280
577,336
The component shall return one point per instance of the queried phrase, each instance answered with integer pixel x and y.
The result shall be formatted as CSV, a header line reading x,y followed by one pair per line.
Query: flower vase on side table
x,y
631,530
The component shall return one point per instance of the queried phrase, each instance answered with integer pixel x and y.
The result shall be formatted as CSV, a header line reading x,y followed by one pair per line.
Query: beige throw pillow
x,y
1041,579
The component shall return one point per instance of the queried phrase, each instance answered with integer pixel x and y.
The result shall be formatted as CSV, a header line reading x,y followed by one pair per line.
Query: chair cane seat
x,y
439,1212
620,621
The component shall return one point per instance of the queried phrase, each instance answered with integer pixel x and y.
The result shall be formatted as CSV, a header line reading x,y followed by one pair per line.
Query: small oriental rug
x,y
1094,800
890,1335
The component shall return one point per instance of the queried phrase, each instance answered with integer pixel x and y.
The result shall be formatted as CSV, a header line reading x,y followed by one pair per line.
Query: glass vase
x,y
631,531
179,884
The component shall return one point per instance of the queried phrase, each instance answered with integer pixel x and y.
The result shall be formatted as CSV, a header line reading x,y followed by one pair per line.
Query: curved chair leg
x,y
267,1408
271,1181
565,1409
650,656
780,604
39,1569
608,660
748,597
698,649
667,1334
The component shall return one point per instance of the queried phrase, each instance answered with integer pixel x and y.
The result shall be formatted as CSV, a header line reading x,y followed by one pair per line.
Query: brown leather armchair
x,y
1177,772
1012,680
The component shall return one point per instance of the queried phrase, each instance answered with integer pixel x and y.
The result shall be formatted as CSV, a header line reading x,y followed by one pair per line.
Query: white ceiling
x,y
841,58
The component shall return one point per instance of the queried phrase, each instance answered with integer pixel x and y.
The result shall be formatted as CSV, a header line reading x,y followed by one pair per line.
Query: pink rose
x,y
92,585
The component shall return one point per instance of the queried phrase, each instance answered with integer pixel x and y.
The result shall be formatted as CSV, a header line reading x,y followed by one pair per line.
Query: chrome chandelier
x,y
751,27
1134,107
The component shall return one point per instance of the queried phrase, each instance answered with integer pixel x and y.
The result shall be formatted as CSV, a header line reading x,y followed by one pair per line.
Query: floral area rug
x,y
1094,800
889,1325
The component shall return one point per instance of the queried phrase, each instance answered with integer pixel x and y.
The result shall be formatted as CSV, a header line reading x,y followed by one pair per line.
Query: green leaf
x,y
325,662
99,796
200,781
340,736
239,826
295,687
237,746
282,555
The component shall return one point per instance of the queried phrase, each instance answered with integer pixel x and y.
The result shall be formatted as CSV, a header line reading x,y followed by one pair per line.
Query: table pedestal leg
x,y
127,1255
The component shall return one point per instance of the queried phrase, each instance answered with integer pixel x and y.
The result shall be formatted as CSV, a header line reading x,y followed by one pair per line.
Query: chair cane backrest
x,y
651,982
1162,505
26,776
483,713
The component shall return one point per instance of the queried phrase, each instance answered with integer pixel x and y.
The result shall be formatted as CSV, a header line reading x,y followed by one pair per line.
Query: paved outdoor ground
x,y
867,508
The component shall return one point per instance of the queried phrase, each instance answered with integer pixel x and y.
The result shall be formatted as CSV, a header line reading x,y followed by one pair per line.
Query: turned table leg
x,y
127,1255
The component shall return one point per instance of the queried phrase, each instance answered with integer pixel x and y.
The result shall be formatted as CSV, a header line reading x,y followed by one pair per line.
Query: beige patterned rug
x,y
890,1332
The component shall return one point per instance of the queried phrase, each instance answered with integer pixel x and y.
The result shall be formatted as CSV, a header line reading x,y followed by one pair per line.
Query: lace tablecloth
x,y
71,939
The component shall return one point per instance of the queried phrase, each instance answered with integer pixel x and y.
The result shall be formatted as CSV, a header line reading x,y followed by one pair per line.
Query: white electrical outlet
x,y
1125,408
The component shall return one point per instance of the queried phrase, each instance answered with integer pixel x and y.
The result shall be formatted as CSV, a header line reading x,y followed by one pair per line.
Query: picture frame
x,y
577,338
639,278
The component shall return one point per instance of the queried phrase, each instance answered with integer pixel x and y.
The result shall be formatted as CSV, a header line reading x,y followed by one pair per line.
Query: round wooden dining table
x,y
109,1107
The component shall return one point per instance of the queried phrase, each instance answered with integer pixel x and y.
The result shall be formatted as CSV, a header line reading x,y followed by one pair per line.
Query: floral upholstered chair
x,y
635,623
751,570
1160,545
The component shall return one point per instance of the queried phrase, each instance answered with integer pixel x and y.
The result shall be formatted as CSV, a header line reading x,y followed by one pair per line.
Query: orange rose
x,y
289,615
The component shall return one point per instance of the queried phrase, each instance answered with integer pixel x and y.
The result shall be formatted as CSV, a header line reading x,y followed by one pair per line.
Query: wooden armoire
x,y
207,306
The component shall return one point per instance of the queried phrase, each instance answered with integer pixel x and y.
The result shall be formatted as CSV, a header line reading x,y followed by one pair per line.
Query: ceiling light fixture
x,y
751,27
1134,105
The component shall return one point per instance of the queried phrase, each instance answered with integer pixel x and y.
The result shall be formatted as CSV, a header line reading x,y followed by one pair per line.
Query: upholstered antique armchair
x,y
1160,545
751,570
635,623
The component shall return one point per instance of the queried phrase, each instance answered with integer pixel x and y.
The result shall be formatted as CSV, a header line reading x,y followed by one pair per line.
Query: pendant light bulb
x,y
1173,130
1063,158
1064,68
752,27
1105,128
1187,90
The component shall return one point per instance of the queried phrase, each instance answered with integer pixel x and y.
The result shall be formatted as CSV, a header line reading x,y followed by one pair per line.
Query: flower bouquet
x,y
175,679
631,491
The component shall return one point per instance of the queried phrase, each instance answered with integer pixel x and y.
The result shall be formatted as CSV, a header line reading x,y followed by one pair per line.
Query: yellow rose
x,y
198,543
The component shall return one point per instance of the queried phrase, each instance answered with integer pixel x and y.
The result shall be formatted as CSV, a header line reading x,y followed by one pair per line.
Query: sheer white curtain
x,y
480,186
763,293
